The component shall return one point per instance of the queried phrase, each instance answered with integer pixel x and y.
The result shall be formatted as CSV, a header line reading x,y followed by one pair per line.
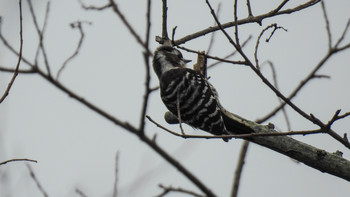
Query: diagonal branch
x,y
253,19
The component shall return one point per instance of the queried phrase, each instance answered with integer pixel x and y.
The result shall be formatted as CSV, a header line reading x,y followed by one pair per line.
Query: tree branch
x,y
7,91
265,136
253,19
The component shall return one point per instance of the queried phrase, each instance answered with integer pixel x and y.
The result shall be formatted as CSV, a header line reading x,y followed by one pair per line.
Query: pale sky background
x,y
76,148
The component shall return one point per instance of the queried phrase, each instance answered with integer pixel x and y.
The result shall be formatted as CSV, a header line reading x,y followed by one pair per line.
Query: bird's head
x,y
167,58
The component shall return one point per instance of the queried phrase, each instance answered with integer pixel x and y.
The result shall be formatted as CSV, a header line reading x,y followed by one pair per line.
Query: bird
x,y
189,91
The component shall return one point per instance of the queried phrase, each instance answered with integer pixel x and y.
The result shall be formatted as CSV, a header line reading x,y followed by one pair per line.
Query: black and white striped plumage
x,y
198,101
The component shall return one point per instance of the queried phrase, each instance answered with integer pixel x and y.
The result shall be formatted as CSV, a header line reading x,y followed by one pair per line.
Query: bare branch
x,y
10,70
85,7
275,27
239,168
170,189
41,35
213,57
164,21
221,60
7,91
250,14
303,82
80,193
238,136
128,26
115,186
211,42
146,56
40,187
14,160
74,25
343,34
327,25
254,19
236,24
274,77
12,49
277,141
117,11
42,32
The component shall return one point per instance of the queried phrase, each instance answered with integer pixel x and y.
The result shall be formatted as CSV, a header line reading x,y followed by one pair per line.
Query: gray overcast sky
x,y
76,148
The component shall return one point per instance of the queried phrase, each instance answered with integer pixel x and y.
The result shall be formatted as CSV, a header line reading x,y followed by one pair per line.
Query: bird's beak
x,y
186,61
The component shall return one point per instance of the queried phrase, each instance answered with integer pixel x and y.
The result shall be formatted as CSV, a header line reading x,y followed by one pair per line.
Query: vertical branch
x,y
327,25
19,55
249,9
164,21
146,56
236,23
239,169
41,34
115,186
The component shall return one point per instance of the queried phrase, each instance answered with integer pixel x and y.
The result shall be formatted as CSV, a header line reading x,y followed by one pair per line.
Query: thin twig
x,y
239,169
7,91
327,25
22,71
13,50
221,60
90,7
42,32
74,25
303,82
128,25
250,14
146,57
41,35
275,27
14,160
80,193
117,11
236,24
253,19
211,42
169,189
164,20
213,57
239,136
343,34
274,77
116,174
40,187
